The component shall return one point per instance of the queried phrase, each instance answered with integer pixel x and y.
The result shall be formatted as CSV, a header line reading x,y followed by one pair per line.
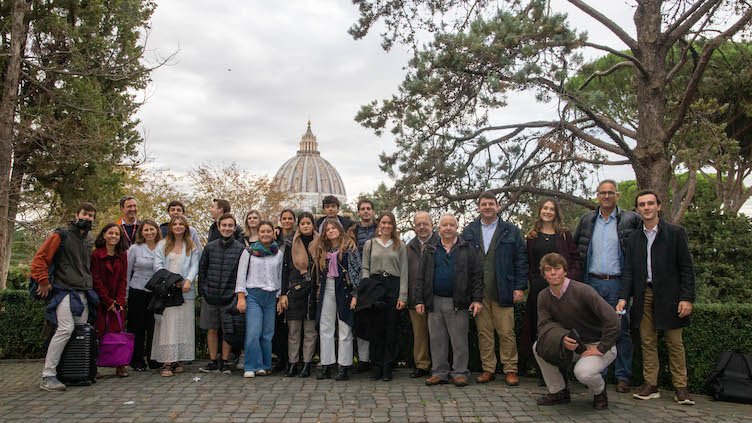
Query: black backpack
x,y
732,378
33,283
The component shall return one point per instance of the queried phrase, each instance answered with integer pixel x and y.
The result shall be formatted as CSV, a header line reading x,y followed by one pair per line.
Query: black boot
x,y
342,374
387,373
292,370
325,372
305,371
376,372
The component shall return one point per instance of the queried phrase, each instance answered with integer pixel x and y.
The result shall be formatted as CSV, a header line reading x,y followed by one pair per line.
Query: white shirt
x,y
262,272
386,244
488,233
650,234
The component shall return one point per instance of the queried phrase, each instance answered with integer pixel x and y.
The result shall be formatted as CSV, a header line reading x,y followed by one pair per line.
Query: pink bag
x,y
115,349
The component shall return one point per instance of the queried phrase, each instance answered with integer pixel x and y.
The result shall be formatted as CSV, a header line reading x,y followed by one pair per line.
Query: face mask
x,y
84,225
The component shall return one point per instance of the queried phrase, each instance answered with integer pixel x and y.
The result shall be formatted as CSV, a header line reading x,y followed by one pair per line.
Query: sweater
x,y
140,266
379,259
580,308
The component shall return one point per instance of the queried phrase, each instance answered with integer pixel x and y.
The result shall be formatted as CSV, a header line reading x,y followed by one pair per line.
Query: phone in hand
x,y
576,336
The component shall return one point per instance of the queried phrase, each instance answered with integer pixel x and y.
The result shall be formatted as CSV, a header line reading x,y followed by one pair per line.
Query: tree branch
x,y
596,142
608,23
615,52
613,68
687,20
702,64
521,189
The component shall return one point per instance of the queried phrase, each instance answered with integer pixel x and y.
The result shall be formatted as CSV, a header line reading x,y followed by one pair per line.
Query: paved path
x,y
147,397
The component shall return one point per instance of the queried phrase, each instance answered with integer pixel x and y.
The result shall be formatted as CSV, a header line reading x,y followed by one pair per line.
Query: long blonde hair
x,y
246,228
170,238
558,222
344,243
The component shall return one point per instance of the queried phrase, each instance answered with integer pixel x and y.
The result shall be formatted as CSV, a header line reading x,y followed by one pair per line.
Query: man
x,y
361,232
174,209
128,220
570,313
502,256
217,272
218,208
660,275
331,206
424,237
69,251
601,237
449,283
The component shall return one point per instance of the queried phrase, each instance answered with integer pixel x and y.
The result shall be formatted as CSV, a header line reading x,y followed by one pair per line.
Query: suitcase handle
x,y
107,321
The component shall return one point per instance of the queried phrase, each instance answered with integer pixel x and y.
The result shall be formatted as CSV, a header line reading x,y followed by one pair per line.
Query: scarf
x,y
301,257
257,249
333,271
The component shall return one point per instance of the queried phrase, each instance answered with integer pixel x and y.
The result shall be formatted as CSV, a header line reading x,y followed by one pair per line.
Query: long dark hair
x,y
559,227
140,236
121,246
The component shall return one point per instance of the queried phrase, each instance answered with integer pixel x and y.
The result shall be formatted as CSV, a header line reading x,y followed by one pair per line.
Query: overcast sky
x,y
249,75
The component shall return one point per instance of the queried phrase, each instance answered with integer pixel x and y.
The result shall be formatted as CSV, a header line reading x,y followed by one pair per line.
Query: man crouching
x,y
574,323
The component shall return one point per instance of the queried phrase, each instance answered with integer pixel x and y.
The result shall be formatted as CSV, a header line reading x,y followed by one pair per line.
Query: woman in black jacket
x,y
298,298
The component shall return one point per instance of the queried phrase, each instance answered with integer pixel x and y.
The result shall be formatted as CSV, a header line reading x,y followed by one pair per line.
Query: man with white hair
x,y
449,283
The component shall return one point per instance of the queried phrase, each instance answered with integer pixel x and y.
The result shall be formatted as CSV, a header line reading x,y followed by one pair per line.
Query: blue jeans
x,y
609,291
259,329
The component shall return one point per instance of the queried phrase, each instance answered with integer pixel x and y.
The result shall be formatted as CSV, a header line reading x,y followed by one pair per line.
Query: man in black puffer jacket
x,y
217,272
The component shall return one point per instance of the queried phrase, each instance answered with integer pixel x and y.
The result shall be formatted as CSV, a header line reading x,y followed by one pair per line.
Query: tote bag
x,y
115,349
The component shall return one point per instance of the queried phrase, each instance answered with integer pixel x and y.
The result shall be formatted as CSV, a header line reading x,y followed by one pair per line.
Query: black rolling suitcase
x,y
78,364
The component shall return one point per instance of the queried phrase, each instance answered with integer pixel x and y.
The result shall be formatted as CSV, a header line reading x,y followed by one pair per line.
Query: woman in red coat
x,y
109,265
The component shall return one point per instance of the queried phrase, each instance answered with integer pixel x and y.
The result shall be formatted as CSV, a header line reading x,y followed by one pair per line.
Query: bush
x,y
18,277
715,328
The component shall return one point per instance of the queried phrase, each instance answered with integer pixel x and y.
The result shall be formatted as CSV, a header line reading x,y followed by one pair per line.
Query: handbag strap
x,y
107,321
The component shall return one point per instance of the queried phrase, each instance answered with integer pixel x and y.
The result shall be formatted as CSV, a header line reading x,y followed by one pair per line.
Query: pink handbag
x,y
115,349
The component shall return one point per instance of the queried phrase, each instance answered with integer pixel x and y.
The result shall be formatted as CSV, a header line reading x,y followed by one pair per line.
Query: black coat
x,y
372,300
166,288
626,222
346,223
413,264
468,277
218,271
673,275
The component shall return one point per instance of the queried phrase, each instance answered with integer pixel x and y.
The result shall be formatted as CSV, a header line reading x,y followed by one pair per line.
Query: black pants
x,y
384,348
279,340
140,323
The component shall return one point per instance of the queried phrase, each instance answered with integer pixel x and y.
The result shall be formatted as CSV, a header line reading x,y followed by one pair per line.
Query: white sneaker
x,y
241,362
261,373
249,374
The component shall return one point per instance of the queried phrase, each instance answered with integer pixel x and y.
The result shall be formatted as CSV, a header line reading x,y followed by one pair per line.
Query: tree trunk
x,y
8,105
652,168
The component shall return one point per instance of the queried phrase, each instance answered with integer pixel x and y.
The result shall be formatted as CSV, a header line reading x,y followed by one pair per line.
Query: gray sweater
x,y
379,259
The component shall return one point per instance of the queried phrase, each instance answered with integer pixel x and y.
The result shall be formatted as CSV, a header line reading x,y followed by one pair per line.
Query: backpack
x,y
732,378
33,283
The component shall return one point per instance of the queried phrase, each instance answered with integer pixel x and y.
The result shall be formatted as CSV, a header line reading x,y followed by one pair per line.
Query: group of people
x,y
262,284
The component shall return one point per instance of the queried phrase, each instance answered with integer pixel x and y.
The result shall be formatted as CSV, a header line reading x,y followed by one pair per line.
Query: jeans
x,y
609,291
327,323
259,328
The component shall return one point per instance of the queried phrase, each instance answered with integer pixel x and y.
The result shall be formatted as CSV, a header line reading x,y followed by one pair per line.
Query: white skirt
x,y
174,334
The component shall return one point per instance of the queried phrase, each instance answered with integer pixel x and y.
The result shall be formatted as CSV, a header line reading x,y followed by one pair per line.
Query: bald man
x,y
424,236
449,283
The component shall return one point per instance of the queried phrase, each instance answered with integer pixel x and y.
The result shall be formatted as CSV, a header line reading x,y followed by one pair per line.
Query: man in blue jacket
x,y
502,256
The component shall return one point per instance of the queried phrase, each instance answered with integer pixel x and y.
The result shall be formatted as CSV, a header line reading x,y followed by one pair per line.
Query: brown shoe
x,y
622,386
485,377
600,401
121,372
459,382
512,379
561,397
646,392
683,398
435,380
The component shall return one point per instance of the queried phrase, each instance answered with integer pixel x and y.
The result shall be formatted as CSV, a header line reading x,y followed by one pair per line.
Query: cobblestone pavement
x,y
146,397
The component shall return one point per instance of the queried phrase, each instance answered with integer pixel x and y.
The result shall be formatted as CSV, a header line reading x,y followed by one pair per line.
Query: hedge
x,y
715,328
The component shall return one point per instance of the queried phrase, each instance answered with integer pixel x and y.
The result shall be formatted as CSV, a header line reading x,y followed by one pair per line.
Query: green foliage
x,y
18,277
721,246
715,328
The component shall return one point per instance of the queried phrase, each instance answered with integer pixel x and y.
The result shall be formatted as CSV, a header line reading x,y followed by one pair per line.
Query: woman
x,y
250,232
284,234
548,235
257,285
108,270
337,268
174,334
385,260
298,298
140,270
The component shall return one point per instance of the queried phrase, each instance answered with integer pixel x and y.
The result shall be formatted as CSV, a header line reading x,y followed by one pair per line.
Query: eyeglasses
x,y
422,225
607,193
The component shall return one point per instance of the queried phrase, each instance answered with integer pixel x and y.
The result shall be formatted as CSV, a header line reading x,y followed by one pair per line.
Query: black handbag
x,y
300,290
